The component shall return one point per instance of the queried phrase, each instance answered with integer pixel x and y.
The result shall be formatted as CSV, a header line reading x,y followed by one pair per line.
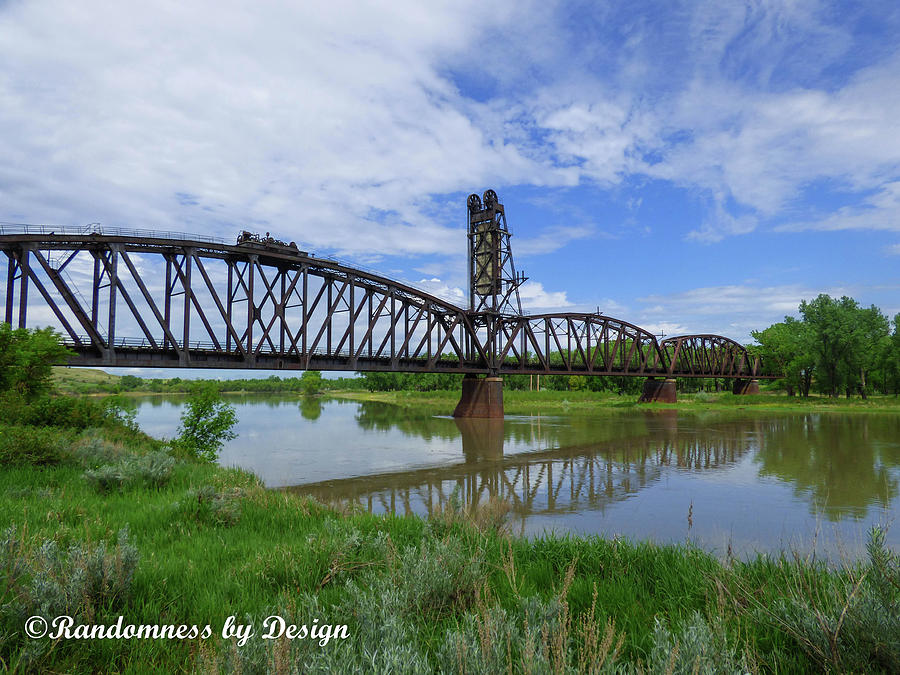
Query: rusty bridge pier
x,y
658,391
745,387
481,397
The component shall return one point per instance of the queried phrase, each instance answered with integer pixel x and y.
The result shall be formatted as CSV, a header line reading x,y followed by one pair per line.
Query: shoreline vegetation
x,y
92,382
454,593
100,520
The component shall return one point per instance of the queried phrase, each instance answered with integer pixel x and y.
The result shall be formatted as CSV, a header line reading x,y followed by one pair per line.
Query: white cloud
x,y
443,290
879,211
747,121
341,125
328,123
893,249
534,297
732,310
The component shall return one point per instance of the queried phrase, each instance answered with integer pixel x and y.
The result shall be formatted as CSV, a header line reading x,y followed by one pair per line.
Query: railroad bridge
x,y
164,299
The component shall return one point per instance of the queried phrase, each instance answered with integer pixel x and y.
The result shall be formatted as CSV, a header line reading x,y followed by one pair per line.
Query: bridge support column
x,y
745,387
481,397
658,391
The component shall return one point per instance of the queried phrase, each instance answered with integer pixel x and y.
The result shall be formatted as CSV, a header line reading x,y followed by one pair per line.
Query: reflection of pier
x,y
548,481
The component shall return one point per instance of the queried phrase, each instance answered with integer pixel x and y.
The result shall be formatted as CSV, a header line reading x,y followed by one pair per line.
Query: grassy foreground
x,y
104,524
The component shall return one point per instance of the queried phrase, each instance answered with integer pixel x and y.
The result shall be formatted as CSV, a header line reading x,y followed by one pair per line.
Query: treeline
x,y
310,382
835,347
388,381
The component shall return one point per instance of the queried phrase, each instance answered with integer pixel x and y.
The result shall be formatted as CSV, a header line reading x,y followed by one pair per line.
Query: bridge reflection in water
x,y
558,477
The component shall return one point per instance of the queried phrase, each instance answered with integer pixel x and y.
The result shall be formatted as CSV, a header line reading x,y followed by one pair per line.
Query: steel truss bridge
x,y
141,298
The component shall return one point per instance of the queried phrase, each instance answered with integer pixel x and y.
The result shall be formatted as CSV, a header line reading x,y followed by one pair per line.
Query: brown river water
x,y
767,482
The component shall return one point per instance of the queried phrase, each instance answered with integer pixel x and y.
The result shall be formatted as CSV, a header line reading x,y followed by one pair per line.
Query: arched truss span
x,y
587,344
708,356
153,299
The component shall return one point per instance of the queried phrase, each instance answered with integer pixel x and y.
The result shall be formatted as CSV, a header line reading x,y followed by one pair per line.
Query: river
x,y
739,482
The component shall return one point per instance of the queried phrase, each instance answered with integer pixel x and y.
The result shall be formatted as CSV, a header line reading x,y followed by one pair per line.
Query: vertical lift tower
x,y
493,293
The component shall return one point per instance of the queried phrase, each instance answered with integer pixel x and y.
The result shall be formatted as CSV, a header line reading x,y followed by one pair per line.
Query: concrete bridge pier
x,y
481,397
658,391
745,387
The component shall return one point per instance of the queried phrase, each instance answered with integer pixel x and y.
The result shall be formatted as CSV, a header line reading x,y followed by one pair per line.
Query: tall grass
x,y
457,593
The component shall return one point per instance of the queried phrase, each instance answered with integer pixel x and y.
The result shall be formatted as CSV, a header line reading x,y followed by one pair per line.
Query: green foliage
x,y
26,359
786,348
151,470
311,382
697,648
49,410
33,445
88,584
846,341
854,627
210,506
93,451
837,347
206,423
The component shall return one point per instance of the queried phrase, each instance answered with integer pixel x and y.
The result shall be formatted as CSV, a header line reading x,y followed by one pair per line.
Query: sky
x,y
690,167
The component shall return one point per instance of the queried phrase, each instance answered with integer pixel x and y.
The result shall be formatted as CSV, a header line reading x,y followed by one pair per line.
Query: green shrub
x,y
106,478
93,451
33,445
151,470
85,583
48,410
209,506
854,627
206,423
697,648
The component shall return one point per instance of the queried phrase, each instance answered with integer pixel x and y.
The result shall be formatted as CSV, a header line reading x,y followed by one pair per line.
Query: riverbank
x,y
541,402
92,382
455,593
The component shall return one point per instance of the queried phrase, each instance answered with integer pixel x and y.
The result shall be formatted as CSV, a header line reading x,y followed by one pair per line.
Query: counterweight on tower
x,y
493,281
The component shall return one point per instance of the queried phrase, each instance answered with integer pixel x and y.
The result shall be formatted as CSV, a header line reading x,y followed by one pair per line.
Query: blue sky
x,y
689,167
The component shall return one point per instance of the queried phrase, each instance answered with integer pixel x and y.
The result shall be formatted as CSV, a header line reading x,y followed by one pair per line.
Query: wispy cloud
x,y
878,211
732,310
552,239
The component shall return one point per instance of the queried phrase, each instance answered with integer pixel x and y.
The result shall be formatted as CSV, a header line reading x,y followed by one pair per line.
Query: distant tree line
x,y
390,381
835,347
310,382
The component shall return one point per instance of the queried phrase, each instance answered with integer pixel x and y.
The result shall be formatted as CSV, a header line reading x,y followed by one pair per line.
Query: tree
x,y
869,339
27,358
311,382
832,338
786,346
206,422
891,363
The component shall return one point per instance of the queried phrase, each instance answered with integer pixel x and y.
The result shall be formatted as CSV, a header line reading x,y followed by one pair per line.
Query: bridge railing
x,y
96,228
207,346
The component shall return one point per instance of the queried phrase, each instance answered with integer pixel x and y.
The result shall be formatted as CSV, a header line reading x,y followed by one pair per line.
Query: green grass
x,y
279,553
540,402
83,380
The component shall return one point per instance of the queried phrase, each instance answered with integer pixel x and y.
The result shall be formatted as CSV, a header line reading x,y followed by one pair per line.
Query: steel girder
x,y
708,356
132,300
